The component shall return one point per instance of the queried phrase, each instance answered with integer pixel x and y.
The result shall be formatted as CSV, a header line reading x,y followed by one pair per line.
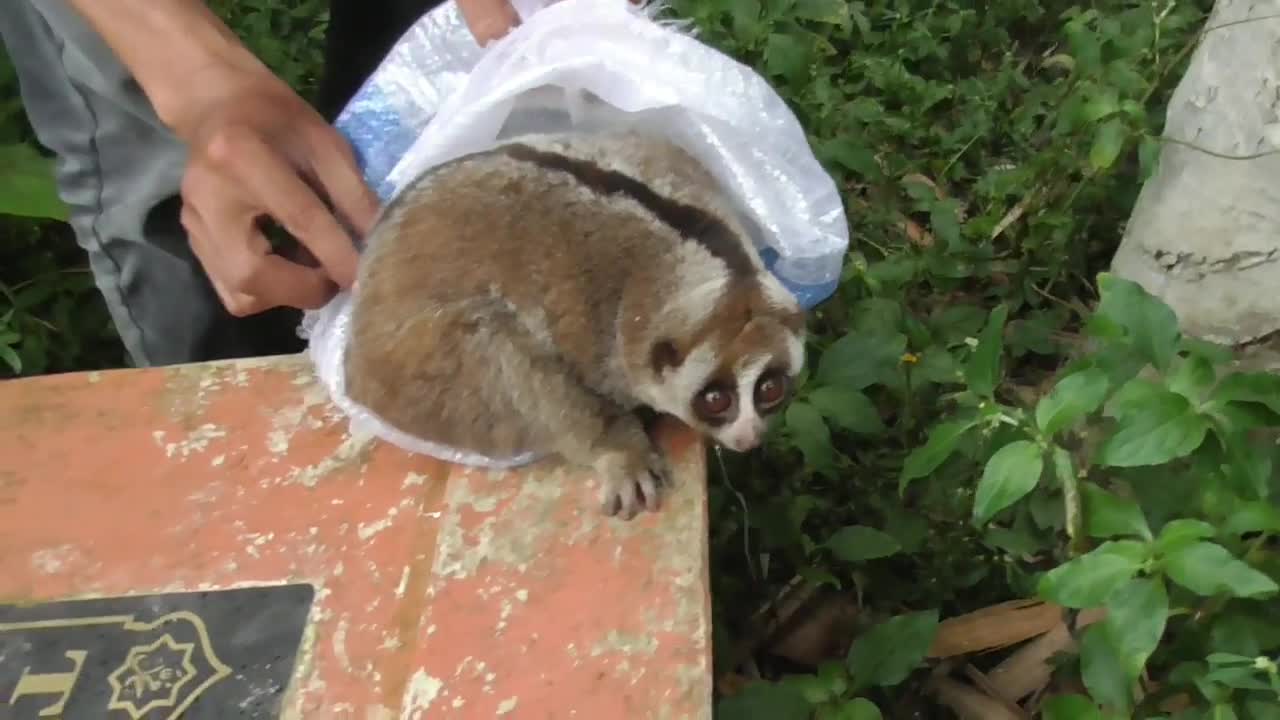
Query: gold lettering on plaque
x,y
59,684
160,677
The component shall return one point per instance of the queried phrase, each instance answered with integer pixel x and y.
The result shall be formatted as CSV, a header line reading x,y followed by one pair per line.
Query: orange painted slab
x,y
440,592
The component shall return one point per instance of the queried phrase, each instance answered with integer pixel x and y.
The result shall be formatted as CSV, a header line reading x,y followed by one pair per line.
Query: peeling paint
x,y
196,442
506,706
364,531
353,452
423,690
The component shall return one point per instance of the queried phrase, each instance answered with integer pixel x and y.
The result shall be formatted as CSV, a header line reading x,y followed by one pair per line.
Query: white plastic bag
x,y
582,64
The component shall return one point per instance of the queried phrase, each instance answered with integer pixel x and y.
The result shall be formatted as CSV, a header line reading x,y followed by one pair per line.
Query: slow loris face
x,y
731,391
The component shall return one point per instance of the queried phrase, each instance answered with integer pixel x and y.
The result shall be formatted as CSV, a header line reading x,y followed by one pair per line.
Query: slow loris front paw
x,y
632,479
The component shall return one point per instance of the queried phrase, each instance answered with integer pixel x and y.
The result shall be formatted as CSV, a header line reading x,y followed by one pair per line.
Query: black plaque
x,y
197,655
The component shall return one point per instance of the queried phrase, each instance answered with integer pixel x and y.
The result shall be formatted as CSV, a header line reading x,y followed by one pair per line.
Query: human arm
x,y
256,149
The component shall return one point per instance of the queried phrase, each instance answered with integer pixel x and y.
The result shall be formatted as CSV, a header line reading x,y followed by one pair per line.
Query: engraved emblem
x,y
152,657
151,677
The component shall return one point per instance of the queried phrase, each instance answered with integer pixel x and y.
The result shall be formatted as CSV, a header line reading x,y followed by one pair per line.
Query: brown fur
x,y
503,308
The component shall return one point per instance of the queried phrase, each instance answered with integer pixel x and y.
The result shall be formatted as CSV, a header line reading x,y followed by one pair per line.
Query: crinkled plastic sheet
x,y
584,64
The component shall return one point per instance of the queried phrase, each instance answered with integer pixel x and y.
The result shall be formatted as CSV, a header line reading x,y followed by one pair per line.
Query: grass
x,y
990,154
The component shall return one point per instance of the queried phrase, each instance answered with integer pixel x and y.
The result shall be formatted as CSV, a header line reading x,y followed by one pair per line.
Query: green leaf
x,y
1136,615
1102,670
848,409
1011,473
765,701
1073,397
810,435
834,12
1105,102
1109,515
1169,430
1071,707
887,653
857,543
1064,470
1254,516
788,55
852,155
861,359
1150,324
1088,580
27,184
1259,387
942,441
11,359
1177,534
1192,377
1207,568
858,709
1108,141
982,371
1148,158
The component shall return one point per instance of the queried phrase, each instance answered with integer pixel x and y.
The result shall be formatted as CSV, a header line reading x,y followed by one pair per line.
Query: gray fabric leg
x,y
120,170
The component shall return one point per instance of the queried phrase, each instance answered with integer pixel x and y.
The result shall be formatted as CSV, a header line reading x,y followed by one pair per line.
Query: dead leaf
x,y
995,627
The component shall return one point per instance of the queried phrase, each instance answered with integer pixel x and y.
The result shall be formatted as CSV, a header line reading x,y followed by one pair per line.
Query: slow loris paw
x,y
631,481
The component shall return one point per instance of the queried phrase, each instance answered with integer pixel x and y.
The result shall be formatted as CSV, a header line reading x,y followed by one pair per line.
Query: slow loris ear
x,y
664,355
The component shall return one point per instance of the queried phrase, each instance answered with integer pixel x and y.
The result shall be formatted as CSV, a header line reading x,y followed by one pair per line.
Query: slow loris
x,y
534,296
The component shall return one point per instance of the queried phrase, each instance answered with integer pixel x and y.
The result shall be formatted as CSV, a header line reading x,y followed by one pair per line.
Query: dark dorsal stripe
x,y
691,222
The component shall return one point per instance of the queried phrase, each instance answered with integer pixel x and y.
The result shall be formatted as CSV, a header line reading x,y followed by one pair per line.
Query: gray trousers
x,y
120,170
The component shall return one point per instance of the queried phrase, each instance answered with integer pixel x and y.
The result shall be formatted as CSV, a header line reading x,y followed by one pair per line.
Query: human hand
x,y
488,20
257,149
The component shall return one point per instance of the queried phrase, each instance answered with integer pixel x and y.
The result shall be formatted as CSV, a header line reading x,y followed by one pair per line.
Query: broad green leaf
x,y
1149,323
943,439
849,409
1192,377
1073,397
834,12
982,371
1102,670
1088,580
1169,430
746,20
857,543
1139,395
861,359
1011,473
765,701
886,654
27,184
852,155
11,359
1109,515
1071,707
1136,615
858,709
1177,534
1105,102
1254,516
1258,387
1207,568
1108,141
810,435
788,54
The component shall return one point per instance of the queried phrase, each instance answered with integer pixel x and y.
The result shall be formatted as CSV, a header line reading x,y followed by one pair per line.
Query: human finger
x,y
279,190
488,19
335,169
241,266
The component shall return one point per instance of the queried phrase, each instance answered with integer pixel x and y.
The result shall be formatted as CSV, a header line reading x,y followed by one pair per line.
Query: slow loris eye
x,y
713,402
771,390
